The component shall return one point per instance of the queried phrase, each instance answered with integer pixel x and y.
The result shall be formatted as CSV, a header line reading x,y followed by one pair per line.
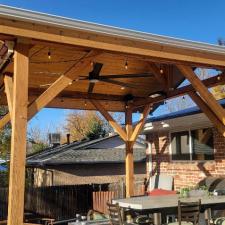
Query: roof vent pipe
x,y
68,138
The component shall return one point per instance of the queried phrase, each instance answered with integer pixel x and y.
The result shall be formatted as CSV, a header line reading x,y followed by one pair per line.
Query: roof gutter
x,y
63,22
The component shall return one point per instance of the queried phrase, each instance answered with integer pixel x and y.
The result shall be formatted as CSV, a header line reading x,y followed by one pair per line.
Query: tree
x,y
38,140
5,136
86,124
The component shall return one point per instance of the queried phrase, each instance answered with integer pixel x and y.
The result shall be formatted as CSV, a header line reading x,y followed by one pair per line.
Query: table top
x,y
166,201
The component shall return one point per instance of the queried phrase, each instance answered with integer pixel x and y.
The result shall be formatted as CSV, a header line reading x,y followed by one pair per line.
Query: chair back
x,y
189,212
114,214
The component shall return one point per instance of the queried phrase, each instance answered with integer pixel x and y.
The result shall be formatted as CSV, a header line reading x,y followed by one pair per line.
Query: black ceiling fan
x,y
94,77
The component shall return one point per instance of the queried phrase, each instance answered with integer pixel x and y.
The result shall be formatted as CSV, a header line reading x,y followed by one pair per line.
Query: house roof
x,y
189,118
180,113
84,152
2,168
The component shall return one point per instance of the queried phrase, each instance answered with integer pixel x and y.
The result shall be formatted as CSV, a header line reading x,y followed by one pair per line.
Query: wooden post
x,y
129,155
18,140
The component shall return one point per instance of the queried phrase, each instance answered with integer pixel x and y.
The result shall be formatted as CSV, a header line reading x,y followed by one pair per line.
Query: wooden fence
x,y
63,202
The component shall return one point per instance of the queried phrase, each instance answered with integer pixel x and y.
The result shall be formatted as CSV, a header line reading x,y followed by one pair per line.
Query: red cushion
x,y
155,192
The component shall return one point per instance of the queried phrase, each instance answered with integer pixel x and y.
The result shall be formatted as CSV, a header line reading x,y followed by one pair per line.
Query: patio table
x,y
167,204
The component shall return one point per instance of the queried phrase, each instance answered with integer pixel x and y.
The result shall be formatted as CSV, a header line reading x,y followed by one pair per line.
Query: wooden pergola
x,y
49,61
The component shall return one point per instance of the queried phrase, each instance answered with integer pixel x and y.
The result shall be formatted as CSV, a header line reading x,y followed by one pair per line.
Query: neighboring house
x,y
186,146
97,161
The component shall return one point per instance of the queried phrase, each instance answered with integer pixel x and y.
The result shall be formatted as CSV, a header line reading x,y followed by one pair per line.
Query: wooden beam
x,y
203,91
208,112
114,44
129,155
109,118
8,81
156,72
18,139
209,82
139,126
59,85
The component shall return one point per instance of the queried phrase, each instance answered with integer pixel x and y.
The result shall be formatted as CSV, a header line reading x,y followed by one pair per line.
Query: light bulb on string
x,y
161,70
126,65
49,54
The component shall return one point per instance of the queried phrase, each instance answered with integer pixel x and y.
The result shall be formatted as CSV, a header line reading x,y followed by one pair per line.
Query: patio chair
x,y
188,213
116,218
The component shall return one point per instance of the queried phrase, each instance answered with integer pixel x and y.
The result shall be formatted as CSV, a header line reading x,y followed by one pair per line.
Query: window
x,y
192,145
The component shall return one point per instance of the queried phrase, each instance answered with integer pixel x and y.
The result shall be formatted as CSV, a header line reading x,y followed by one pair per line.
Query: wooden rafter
x,y
109,118
203,91
139,126
59,85
208,112
8,81
18,139
209,82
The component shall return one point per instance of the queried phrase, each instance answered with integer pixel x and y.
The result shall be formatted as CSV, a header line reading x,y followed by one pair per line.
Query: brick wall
x,y
185,173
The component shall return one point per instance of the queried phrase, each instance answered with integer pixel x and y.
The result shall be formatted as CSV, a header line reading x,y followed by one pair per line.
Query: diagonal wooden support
x,y
156,72
129,155
203,92
109,118
208,112
139,126
59,85
18,139
8,81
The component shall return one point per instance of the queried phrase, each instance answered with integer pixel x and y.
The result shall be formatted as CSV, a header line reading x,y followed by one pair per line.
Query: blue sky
x,y
201,20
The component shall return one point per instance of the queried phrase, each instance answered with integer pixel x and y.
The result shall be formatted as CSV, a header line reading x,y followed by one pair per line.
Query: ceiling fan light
x,y
94,80
155,95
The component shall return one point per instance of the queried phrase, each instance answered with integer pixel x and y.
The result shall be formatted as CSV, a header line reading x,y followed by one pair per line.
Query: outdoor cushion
x,y
157,192
182,223
161,181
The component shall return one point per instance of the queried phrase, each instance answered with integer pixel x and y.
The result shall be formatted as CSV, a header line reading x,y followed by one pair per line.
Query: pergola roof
x,y
69,41
49,61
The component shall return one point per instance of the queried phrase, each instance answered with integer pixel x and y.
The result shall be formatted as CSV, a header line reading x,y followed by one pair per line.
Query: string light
x,y
218,78
161,70
49,54
126,65
85,103
122,88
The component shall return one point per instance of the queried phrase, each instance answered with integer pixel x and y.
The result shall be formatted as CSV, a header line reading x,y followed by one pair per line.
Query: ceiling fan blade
x,y
119,76
94,74
91,88
119,83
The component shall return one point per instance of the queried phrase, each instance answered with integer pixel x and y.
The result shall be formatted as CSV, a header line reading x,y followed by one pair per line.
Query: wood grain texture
x,y
203,91
129,155
8,81
18,139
